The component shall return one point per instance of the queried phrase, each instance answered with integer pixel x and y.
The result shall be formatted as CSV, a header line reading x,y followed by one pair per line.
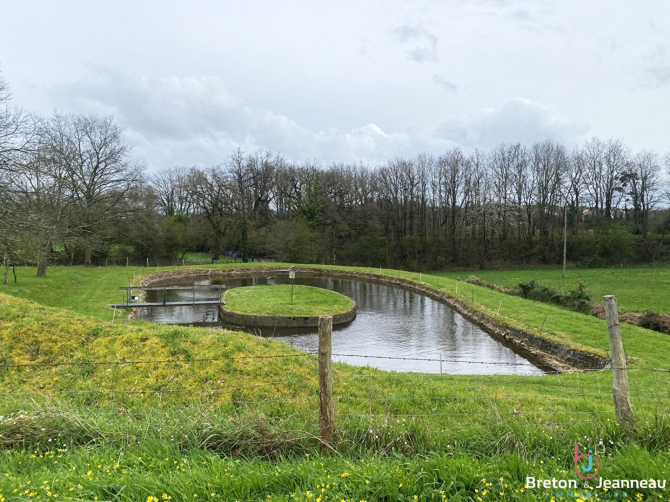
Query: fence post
x,y
326,407
620,390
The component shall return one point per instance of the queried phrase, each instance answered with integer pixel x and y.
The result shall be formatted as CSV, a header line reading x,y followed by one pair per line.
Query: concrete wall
x,y
269,321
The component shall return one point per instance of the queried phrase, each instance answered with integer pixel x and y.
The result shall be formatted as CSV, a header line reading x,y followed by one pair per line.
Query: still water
x,y
390,322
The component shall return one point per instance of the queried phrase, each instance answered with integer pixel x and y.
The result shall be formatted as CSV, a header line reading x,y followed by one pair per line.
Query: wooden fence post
x,y
326,407
620,390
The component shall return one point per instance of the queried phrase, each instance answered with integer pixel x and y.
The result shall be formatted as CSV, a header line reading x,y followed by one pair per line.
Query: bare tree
x,y
549,165
616,160
172,191
211,196
642,178
18,140
455,171
574,183
18,129
38,205
524,184
591,157
500,164
95,161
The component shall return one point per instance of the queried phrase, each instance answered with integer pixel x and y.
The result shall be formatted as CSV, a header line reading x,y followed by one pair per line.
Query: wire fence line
x,y
308,354
515,413
380,374
151,391
561,396
489,397
148,361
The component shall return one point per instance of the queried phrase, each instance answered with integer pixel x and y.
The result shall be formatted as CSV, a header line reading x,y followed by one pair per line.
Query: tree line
x,y
71,193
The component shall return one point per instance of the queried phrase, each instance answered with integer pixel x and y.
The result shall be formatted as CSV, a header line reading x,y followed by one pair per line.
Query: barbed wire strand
x,y
148,361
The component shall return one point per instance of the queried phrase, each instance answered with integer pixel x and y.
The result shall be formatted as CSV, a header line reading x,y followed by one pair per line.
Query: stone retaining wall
x,y
271,321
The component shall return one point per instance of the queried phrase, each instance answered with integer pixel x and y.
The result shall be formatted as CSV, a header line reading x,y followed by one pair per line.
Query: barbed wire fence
x,y
336,407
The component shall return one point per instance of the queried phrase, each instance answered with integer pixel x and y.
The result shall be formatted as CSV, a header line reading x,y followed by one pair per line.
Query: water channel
x,y
391,322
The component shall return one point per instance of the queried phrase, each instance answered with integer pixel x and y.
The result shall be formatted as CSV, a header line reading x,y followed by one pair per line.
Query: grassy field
x,y
89,290
181,412
276,301
86,290
637,289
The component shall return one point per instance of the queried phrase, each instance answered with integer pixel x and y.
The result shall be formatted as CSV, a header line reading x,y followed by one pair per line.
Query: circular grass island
x,y
270,306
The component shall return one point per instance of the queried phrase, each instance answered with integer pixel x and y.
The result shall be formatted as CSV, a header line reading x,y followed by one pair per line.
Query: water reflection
x,y
390,322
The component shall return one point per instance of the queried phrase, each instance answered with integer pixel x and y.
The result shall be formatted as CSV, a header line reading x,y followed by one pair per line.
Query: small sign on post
x,y
291,275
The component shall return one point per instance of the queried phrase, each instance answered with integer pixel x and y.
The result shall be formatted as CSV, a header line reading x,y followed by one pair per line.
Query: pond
x,y
391,322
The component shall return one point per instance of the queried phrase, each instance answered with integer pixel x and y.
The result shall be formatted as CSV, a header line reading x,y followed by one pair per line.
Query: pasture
x,y
637,289
137,411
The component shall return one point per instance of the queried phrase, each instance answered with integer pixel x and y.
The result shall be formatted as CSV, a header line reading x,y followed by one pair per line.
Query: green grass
x,y
636,289
193,258
276,301
157,471
238,413
88,291
244,397
85,290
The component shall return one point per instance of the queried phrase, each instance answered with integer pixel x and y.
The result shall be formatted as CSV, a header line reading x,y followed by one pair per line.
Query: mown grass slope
x,y
163,405
276,301
219,393
89,290
55,356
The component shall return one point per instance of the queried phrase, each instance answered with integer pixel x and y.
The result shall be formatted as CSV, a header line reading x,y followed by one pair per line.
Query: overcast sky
x,y
345,80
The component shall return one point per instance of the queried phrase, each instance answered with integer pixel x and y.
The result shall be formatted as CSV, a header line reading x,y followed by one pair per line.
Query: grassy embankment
x,y
276,301
637,289
446,433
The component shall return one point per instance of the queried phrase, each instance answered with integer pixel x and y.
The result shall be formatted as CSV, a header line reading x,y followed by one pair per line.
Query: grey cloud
x,y
444,83
194,120
167,107
421,44
363,47
518,120
521,15
659,76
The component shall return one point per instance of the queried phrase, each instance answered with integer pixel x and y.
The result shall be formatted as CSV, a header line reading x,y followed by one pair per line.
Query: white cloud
x,y
195,120
518,120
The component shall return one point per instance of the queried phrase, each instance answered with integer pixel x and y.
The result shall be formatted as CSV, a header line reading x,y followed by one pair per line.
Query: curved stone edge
x,y
278,321
551,354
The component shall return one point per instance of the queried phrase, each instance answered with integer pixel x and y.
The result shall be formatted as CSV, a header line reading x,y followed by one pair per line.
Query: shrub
x,y
655,321
576,298
473,279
